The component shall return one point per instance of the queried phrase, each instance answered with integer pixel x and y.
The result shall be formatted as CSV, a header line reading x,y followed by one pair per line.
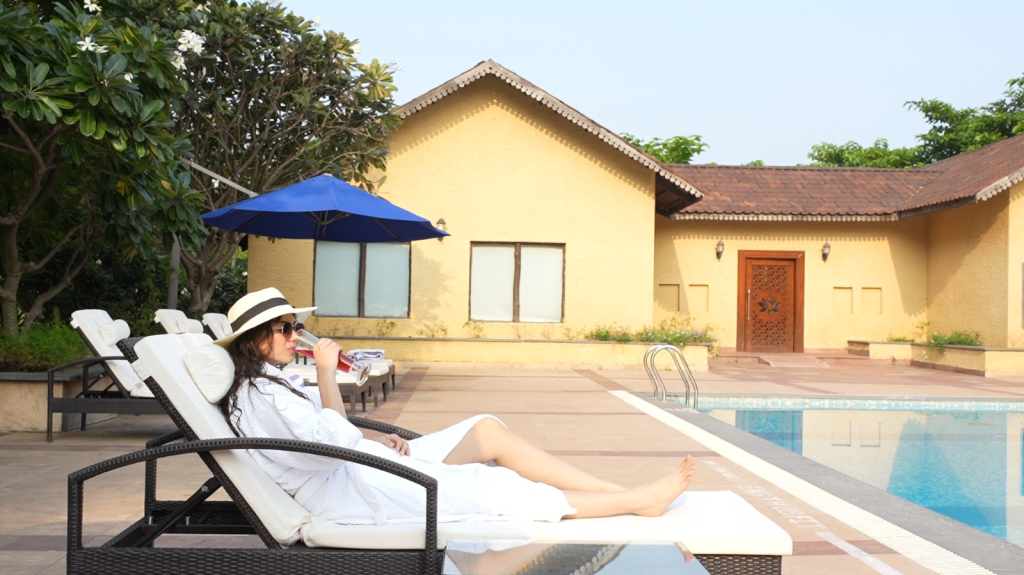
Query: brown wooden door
x,y
770,302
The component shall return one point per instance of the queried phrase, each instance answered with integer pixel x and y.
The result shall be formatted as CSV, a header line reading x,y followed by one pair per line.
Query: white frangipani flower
x,y
87,45
128,77
92,6
203,8
178,62
216,184
189,40
356,48
316,21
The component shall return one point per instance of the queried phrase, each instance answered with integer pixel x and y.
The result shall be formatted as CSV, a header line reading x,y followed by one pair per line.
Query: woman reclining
x,y
483,470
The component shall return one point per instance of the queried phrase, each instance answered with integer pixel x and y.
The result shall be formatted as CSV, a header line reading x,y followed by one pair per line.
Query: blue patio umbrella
x,y
323,208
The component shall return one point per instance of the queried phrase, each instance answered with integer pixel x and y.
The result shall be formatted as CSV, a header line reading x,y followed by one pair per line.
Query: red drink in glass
x,y
357,369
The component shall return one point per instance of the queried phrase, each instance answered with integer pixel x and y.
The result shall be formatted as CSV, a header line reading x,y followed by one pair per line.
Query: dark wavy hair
x,y
250,364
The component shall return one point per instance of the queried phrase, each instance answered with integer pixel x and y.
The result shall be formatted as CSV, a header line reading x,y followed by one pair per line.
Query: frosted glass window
x,y
336,279
386,287
491,284
361,280
540,284
517,282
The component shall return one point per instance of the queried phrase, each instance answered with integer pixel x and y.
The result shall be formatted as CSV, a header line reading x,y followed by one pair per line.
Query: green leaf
x,y
8,66
115,65
87,123
119,103
151,108
37,73
94,96
140,54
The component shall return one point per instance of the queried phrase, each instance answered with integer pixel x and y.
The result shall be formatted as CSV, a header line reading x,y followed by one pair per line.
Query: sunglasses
x,y
286,329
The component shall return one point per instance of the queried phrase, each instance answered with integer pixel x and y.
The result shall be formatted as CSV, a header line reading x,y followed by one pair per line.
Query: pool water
x,y
962,459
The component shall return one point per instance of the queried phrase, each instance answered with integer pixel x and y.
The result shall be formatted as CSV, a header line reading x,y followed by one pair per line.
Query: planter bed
x,y
984,361
23,401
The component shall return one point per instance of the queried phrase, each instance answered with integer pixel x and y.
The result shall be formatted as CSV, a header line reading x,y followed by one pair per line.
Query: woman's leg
x,y
489,440
649,500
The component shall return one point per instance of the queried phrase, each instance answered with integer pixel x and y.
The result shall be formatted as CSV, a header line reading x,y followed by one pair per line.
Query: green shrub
x,y
939,341
899,339
599,333
674,331
43,346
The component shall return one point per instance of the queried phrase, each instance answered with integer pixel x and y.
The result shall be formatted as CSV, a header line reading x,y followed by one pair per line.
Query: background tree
x,y
88,159
953,131
271,101
674,150
852,154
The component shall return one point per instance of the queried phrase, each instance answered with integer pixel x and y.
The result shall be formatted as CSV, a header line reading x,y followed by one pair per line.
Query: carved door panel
x,y
769,312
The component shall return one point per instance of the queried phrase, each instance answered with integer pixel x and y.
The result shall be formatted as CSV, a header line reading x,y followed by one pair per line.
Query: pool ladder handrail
x,y
682,368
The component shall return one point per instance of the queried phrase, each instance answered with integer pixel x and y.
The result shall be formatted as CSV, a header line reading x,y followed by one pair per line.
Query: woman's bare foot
x,y
655,497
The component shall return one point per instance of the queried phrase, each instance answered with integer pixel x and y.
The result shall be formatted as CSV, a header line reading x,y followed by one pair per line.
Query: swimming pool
x,y
961,458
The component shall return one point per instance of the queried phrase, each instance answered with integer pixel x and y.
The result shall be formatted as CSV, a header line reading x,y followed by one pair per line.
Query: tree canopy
x,y
88,159
953,131
272,100
674,150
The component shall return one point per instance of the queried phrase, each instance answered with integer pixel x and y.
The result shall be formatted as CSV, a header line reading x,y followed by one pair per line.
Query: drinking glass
x,y
357,369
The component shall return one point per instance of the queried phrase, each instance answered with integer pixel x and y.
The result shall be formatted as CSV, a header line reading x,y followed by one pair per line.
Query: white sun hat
x,y
257,308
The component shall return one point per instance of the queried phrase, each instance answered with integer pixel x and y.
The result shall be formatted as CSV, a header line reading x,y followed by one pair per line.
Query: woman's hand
x,y
326,352
395,442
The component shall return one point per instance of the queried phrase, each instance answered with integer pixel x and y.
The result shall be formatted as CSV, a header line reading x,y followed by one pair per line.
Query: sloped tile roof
x,y
826,193
976,175
672,191
799,193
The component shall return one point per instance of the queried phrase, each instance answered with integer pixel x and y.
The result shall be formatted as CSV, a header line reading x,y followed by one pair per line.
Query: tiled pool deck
x,y
575,414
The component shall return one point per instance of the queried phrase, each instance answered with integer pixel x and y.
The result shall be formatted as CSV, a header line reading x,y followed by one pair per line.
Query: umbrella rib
x,y
385,228
251,220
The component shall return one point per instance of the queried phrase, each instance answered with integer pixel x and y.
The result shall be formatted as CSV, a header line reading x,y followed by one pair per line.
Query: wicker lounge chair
x,y
725,532
117,389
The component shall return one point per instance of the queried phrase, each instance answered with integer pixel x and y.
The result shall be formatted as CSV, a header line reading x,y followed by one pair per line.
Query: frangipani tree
x,y
271,100
89,156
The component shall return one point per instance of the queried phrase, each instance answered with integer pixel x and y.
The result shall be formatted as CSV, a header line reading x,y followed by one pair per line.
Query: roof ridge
x,y
490,67
806,168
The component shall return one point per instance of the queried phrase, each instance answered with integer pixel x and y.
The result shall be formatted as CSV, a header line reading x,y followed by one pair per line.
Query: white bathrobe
x,y
347,492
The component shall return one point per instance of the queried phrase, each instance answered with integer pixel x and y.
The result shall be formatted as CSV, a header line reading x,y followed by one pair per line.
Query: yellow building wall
x,y
968,273
1015,268
500,167
873,285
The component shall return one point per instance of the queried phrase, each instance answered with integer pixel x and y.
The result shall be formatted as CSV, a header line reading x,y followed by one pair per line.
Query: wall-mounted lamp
x,y
825,250
441,225
719,248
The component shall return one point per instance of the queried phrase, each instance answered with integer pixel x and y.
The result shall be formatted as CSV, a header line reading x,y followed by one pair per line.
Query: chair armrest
x,y
77,479
89,361
384,427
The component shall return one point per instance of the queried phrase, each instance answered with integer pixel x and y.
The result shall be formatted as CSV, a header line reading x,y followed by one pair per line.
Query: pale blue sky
x,y
757,79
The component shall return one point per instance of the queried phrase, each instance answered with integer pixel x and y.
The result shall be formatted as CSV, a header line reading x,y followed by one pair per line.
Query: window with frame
x,y
517,282
361,280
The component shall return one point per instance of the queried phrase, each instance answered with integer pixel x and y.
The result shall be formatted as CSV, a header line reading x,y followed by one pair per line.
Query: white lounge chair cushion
x,y
115,331
164,357
92,323
189,326
169,319
211,369
218,324
707,522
